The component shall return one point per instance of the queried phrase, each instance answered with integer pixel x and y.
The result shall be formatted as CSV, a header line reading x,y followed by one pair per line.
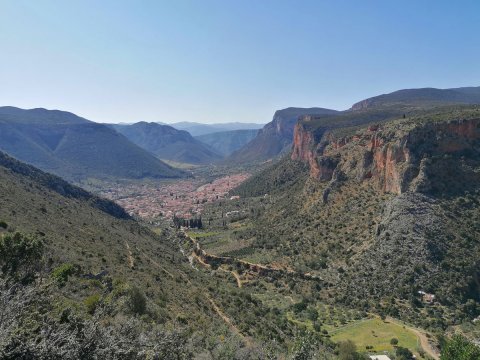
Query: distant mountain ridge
x,y
226,142
422,97
75,148
168,143
197,129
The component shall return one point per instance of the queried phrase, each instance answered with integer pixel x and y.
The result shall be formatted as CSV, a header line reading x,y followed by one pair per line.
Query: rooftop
x,y
379,357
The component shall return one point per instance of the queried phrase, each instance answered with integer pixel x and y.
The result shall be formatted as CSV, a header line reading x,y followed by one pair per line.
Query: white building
x,y
379,357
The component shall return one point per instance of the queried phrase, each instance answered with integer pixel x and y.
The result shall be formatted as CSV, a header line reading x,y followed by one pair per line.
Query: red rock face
x,y
303,149
385,170
302,143
387,156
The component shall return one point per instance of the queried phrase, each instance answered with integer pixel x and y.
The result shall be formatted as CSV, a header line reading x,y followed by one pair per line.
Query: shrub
x,y
312,314
20,255
61,273
91,303
459,348
304,347
137,302
299,307
347,350
404,354
394,341
3,224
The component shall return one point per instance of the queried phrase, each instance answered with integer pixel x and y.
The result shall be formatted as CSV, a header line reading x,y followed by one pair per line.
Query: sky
x,y
223,60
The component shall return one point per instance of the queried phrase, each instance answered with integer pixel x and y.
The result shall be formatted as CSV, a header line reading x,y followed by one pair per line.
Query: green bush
x,y
459,348
137,302
3,224
61,273
347,350
91,303
404,354
20,255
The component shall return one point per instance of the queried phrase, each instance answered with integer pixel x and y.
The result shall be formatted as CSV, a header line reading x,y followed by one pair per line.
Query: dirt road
x,y
425,344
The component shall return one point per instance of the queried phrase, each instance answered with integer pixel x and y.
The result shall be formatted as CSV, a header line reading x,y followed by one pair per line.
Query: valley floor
x,y
163,199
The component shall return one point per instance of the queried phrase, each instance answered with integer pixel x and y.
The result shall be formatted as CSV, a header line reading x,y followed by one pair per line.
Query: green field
x,y
200,235
377,333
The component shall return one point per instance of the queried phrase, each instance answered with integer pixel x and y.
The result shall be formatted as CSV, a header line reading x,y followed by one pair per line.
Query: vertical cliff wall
x,y
391,155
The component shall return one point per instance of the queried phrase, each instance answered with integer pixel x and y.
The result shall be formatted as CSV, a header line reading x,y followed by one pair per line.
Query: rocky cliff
x,y
392,155
387,208
276,136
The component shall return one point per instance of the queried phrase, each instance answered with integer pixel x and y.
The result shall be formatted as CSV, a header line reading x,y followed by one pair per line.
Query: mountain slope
x,y
60,186
82,280
385,208
226,142
81,239
75,148
168,143
276,136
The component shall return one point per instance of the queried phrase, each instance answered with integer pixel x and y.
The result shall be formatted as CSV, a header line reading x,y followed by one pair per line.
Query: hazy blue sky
x,y
221,61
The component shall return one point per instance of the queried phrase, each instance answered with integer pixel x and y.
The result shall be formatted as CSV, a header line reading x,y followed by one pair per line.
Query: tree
x,y
312,314
20,256
347,350
404,354
459,348
137,301
394,341
305,347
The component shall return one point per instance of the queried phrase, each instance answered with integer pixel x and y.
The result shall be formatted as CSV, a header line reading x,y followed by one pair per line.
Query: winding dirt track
x,y
235,275
421,336
426,344
227,320
215,307
158,265
201,255
131,263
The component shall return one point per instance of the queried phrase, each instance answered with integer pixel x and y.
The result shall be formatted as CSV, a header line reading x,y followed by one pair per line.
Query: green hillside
x,y
75,148
168,143
80,240
80,279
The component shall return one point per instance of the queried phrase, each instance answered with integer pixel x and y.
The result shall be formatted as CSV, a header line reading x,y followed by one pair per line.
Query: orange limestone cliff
x,y
391,155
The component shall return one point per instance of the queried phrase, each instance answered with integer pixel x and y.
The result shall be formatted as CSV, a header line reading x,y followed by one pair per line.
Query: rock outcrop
x,y
392,155
276,136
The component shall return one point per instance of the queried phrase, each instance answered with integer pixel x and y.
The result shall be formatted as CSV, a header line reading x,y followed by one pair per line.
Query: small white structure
x,y
379,357
427,298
